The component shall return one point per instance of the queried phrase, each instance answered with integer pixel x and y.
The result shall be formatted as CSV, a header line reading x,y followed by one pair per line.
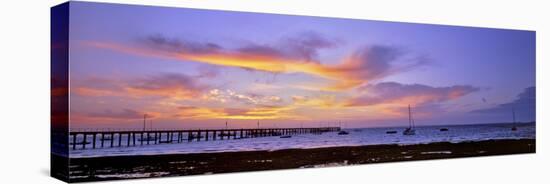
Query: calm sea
x,y
356,137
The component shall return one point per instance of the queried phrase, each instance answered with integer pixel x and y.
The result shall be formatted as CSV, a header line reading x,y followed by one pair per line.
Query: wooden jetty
x,y
127,138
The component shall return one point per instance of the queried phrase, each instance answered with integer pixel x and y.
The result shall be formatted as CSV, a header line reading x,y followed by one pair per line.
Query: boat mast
x,y
144,121
410,122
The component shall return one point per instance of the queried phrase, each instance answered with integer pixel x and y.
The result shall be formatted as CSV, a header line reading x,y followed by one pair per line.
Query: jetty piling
x,y
79,139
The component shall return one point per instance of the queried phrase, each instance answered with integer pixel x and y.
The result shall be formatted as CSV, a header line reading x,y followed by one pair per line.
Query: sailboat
x,y
514,128
410,130
342,132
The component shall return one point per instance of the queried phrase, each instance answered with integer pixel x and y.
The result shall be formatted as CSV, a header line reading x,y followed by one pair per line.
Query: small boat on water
x,y
410,130
285,136
342,132
443,129
391,132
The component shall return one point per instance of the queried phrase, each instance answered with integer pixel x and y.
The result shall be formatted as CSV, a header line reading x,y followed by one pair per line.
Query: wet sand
x,y
125,167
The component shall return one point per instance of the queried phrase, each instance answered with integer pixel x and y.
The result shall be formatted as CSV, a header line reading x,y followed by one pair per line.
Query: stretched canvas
x,y
146,91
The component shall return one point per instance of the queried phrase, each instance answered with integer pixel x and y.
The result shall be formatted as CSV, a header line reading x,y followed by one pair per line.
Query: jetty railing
x,y
127,138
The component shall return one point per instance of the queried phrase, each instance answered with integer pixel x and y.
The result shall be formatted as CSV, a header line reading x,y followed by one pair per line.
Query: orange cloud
x,y
169,92
87,91
364,65
320,101
271,112
173,86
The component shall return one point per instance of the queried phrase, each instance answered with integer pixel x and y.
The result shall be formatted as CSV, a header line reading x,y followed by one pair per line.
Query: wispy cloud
x,y
271,112
178,86
301,47
317,101
293,55
403,94
230,96
371,63
112,116
168,85
124,114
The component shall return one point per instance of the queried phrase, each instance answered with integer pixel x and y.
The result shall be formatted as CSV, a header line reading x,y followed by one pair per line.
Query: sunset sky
x,y
188,68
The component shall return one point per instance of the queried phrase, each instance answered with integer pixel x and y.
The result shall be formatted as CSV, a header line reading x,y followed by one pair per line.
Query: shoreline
x,y
283,149
145,166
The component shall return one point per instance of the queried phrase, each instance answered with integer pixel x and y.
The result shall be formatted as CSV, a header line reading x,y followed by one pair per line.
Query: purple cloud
x,y
414,94
159,41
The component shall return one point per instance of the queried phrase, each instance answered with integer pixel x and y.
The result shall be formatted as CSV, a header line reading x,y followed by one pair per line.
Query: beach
x,y
144,166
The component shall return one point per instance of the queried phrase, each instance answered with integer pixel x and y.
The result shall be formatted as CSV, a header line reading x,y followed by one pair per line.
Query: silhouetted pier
x,y
127,138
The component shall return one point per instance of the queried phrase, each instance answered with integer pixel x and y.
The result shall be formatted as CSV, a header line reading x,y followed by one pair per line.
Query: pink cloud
x,y
414,94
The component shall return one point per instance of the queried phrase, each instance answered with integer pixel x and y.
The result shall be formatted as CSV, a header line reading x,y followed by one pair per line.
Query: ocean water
x,y
356,137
